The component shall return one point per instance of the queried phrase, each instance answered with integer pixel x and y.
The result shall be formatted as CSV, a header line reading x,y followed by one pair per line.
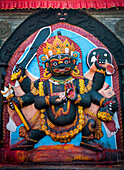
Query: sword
x,y
30,52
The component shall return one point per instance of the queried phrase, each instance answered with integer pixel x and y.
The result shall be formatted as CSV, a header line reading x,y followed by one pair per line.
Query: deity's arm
x,y
24,80
41,100
31,91
108,106
96,97
82,88
22,101
45,100
86,95
99,77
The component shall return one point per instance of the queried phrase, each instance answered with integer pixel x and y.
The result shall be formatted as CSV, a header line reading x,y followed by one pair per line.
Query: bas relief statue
x,y
63,97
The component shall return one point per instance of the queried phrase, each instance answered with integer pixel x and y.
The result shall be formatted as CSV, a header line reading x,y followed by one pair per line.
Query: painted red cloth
x,y
111,126
68,4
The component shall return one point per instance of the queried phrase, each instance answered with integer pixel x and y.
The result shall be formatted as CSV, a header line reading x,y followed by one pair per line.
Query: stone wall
x,y
112,18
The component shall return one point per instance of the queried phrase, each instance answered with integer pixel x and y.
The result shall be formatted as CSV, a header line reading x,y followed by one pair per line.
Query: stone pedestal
x,y
65,154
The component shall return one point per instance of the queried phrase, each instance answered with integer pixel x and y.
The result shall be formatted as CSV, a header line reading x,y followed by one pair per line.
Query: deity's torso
x,y
62,114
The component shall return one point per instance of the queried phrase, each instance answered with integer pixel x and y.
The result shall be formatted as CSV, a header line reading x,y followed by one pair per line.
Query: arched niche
x,y
64,22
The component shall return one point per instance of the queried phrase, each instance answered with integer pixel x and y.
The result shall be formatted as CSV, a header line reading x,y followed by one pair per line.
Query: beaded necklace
x,y
58,82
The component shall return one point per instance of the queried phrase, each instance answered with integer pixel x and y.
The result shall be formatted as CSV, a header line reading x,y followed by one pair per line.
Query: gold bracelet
x,y
101,102
101,71
47,100
78,99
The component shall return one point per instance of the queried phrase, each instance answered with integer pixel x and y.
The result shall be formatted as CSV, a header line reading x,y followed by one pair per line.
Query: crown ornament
x,y
58,47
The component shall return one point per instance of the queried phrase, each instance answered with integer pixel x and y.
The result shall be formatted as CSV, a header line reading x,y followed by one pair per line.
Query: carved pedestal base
x,y
66,154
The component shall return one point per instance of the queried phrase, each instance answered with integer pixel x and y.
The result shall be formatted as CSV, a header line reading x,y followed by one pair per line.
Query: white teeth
x,y
61,69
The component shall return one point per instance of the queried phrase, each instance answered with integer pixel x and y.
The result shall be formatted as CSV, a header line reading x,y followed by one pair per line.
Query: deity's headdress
x,y
58,47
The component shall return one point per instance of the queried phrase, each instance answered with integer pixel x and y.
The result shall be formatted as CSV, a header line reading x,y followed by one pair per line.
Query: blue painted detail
x,y
14,136
48,141
42,59
33,68
76,56
24,54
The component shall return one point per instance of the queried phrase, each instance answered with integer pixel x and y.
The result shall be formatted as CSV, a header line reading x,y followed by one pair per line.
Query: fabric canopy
x,y
68,4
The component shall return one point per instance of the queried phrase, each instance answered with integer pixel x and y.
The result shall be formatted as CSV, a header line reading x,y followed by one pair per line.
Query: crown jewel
x,y
58,47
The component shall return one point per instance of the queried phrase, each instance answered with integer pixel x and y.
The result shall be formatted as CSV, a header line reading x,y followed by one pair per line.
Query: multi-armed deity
x,y
62,100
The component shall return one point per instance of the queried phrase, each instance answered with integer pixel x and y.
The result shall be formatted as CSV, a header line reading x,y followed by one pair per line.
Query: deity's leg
x,y
88,134
31,138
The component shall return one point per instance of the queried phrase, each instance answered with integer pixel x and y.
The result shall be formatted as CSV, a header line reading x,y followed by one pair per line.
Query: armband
x,y
104,116
101,102
78,99
101,71
47,100
20,101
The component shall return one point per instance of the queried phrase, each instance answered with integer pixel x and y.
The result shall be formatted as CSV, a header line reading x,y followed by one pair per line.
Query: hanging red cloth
x,y
68,4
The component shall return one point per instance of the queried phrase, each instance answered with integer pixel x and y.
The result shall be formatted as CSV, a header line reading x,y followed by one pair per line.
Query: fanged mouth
x,y
61,70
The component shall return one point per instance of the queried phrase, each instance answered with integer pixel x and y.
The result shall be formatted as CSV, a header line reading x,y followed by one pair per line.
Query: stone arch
x,y
49,17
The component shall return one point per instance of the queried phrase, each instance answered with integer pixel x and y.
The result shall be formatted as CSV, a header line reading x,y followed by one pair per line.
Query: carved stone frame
x,y
51,16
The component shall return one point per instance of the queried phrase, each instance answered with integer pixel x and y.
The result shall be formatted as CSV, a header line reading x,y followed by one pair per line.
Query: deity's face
x,y
61,64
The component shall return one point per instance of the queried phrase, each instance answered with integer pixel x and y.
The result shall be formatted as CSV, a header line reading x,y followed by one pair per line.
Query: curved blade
x,y
30,53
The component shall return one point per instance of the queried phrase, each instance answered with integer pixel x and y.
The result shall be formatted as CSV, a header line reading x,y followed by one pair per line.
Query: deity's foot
x,y
29,141
23,145
89,144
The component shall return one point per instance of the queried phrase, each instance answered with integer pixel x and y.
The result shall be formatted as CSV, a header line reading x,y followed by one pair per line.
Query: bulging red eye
x,y
66,61
54,63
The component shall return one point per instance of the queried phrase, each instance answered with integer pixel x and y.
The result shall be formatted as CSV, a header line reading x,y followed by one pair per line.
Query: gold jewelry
x,y
101,71
20,101
41,91
78,99
104,116
101,101
22,78
47,100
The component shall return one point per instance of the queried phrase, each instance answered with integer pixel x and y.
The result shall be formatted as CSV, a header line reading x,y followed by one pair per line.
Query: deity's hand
x,y
17,69
13,101
11,105
111,104
70,90
17,72
56,100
